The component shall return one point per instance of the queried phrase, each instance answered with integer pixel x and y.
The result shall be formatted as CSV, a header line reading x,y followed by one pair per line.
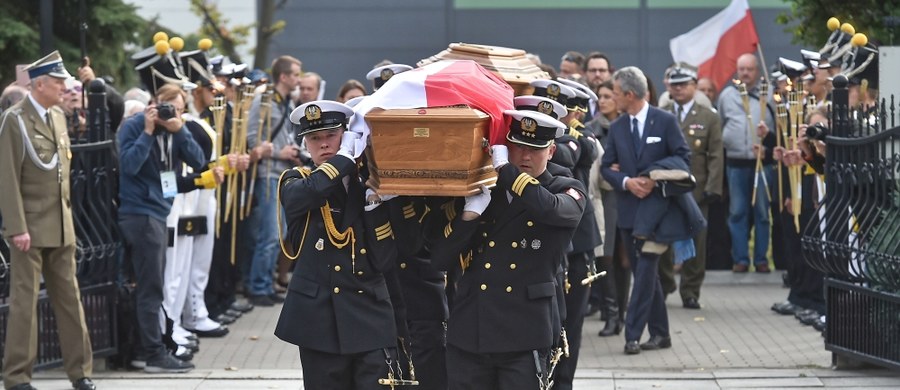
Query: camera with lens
x,y
817,131
166,111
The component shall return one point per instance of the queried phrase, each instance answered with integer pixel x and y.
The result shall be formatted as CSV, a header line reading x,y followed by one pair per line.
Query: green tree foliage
x,y
112,26
215,26
806,20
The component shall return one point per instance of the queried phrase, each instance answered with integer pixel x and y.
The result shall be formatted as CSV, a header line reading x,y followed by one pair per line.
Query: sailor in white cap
x,y
506,317
339,312
34,170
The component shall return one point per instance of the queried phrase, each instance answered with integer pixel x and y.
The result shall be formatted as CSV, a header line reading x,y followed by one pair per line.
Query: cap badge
x,y
545,108
386,74
529,125
313,112
553,90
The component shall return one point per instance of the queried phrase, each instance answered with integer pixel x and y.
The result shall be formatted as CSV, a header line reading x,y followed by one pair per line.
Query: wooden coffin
x,y
509,64
430,151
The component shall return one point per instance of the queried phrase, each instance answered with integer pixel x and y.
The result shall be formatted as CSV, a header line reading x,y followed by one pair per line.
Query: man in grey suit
x,y
702,130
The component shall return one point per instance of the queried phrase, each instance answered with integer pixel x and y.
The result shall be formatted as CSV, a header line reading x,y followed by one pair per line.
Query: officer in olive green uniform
x,y
509,243
37,217
703,132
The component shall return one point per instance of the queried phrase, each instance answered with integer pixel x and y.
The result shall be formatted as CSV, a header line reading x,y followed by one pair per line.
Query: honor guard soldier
x,y
338,309
509,243
34,170
577,151
702,130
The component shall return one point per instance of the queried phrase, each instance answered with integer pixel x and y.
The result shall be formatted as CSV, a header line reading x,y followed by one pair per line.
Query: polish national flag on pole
x,y
715,45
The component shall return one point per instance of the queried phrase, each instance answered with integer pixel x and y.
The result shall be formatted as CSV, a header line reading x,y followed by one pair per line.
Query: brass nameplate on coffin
x,y
421,132
431,174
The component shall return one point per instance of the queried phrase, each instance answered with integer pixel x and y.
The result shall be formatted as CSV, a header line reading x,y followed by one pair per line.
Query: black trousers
x,y
576,302
146,239
429,354
358,371
223,276
495,371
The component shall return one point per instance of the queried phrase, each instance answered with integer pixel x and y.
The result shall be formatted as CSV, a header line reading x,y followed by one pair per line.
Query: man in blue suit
x,y
636,141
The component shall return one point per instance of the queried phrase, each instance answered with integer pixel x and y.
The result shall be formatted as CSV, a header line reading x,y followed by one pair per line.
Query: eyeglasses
x,y
75,89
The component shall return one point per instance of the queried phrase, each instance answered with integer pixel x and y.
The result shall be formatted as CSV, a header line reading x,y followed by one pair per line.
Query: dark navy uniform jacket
x,y
337,300
506,298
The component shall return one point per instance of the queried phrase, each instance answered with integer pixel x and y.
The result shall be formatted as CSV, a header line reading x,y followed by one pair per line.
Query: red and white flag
x,y
440,84
715,45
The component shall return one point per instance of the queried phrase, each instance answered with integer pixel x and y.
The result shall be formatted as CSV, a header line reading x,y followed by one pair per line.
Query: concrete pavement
x,y
735,341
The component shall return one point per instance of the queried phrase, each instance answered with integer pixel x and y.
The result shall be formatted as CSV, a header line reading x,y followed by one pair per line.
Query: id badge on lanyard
x,y
167,178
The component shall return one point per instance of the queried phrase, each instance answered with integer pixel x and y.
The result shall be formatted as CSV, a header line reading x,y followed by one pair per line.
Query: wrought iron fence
x,y
855,237
93,179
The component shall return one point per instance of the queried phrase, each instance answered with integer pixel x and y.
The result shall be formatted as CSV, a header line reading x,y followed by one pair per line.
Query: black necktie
x,y
635,135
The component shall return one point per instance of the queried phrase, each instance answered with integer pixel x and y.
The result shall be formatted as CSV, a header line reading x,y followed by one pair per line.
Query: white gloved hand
x,y
348,144
499,155
479,202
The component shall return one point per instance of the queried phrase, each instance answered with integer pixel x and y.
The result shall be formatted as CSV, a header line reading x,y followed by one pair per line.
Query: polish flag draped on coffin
x,y
715,45
441,84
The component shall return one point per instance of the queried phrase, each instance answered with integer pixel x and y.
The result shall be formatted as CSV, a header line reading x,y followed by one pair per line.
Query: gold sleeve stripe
x,y
522,181
518,182
384,231
382,228
329,170
574,133
409,211
448,229
449,210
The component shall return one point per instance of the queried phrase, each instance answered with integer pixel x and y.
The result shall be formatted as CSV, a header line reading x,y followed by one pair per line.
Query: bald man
x,y
740,139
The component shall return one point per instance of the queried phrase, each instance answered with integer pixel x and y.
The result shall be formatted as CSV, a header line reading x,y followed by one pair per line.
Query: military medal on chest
x,y
320,245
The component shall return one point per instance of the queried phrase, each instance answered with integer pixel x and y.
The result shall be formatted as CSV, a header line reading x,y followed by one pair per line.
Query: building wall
x,y
343,39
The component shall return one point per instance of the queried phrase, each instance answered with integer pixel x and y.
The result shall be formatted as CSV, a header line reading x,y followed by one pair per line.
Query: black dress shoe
x,y
84,384
657,342
690,303
217,332
191,345
810,319
234,313
612,327
804,313
261,300
224,319
819,324
242,307
632,348
786,308
23,386
276,297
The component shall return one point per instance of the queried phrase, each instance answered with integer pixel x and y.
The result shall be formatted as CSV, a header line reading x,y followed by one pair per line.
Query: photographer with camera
x,y
149,144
